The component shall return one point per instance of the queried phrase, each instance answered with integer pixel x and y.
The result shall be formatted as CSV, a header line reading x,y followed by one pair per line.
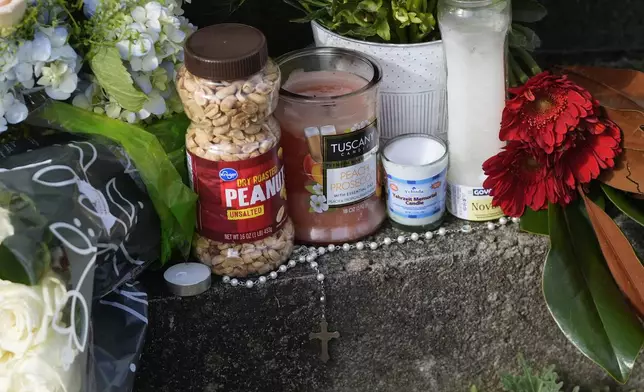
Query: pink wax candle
x,y
327,112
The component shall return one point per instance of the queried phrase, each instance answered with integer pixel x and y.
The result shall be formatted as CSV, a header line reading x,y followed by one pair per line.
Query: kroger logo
x,y
228,174
481,192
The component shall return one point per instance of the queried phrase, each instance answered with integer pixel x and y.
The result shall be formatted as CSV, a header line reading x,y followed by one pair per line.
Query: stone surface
x,y
436,316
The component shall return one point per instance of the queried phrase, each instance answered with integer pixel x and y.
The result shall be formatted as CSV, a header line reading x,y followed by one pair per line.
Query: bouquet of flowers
x,y
91,188
74,66
122,53
69,251
571,160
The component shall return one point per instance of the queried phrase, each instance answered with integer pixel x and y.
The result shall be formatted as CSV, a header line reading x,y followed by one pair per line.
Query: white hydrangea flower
x,y
150,42
45,62
60,80
128,116
146,63
8,59
12,110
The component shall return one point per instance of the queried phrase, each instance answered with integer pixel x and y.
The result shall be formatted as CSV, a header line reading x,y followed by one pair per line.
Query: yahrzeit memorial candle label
x,y
415,166
474,34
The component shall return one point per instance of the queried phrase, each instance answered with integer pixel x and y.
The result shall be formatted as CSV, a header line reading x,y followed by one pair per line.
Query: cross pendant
x,y
324,336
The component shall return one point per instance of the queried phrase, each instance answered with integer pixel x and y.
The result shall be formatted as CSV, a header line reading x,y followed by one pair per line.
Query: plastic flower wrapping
x,y
76,229
91,188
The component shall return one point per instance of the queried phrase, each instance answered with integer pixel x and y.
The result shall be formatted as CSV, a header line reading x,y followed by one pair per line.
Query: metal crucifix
x,y
324,336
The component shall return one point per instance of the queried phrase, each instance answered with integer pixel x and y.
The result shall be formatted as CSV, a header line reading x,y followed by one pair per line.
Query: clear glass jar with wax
x,y
474,34
327,112
229,89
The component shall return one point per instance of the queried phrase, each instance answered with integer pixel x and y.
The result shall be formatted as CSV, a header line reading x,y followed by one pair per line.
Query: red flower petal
x,y
521,176
544,110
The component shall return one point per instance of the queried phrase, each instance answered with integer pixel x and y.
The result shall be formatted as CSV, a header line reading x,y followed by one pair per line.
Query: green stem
x,y
518,71
415,33
512,77
528,60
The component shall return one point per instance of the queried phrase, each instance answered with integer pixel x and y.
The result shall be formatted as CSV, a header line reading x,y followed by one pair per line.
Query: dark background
x,y
573,31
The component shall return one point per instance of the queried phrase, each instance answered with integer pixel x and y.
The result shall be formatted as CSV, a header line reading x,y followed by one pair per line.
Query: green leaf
x,y
174,202
115,80
523,37
529,381
21,261
171,132
597,196
528,11
12,270
631,207
583,298
535,222
370,5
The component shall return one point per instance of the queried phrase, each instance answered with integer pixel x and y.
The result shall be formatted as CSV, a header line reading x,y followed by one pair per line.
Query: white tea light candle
x,y
415,167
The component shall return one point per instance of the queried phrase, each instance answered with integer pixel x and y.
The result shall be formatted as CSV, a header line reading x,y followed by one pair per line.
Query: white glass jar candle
x,y
415,167
474,34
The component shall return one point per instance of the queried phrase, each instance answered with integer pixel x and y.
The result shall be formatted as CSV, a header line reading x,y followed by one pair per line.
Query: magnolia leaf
x,y
631,207
583,298
592,80
629,82
605,85
627,269
535,222
628,173
115,80
528,11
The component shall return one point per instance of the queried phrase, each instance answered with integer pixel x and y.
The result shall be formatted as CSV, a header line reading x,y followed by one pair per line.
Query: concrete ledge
x,y
436,317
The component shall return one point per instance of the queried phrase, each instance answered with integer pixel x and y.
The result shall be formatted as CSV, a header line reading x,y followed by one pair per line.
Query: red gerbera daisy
x,y
544,110
520,176
588,150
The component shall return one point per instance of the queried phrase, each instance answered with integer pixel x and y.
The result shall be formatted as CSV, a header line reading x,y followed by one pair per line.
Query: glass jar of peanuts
x,y
229,89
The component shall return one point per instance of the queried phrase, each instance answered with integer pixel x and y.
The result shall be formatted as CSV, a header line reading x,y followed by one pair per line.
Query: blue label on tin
x,y
417,199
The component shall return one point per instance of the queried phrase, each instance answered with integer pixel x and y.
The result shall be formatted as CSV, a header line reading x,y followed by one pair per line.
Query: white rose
x,y
40,370
11,12
6,228
26,313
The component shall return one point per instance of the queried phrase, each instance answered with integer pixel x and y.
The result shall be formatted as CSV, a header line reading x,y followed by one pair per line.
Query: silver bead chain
x,y
309,255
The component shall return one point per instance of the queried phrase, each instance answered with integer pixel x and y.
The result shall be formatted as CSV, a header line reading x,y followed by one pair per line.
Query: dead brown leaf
x,y
620,93
622,261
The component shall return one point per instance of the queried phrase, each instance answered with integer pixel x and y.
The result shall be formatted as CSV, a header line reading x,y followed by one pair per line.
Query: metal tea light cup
x,y
415,167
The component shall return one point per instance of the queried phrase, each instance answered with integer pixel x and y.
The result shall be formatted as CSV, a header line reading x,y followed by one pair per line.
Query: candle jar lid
x,y
226,51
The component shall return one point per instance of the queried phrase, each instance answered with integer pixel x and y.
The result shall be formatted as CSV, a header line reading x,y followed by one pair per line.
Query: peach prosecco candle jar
x,y
327,111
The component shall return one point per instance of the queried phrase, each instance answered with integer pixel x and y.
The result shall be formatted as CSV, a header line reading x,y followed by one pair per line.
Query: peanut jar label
x,y
239,201
342,165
